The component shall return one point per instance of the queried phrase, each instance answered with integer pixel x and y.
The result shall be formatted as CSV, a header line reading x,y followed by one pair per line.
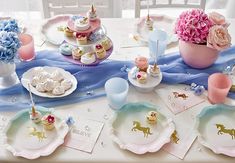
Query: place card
x,y
178,100
84,134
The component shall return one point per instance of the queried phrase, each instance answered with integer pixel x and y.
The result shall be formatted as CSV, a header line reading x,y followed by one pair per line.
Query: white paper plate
x,y
18,141
162,22
28,75
208,133
122,123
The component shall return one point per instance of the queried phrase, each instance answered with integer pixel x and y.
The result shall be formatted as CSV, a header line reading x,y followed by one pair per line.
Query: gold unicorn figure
x,y
182,95
145,130
222,130
174,137
39,134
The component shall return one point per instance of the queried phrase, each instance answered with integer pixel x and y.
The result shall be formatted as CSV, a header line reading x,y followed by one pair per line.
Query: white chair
x,y
104,8
142,4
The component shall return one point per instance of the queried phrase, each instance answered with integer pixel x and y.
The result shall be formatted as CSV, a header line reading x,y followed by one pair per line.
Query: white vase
x,y
8,76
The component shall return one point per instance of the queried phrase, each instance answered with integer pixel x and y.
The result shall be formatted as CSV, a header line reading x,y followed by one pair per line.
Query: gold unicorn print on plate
x,y
145,130
39,134
180,95
222,130
174,137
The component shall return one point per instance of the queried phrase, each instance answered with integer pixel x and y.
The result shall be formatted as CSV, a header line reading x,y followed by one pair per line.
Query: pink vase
x,y
197,56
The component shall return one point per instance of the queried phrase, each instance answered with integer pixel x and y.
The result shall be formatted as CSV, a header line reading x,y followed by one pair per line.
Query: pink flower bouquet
x,y
196,27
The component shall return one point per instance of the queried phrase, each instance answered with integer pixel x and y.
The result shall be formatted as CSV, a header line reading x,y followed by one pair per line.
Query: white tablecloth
x,y
105,150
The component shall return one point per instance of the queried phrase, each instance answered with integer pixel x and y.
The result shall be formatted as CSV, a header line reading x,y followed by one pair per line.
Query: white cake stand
x,y
151,83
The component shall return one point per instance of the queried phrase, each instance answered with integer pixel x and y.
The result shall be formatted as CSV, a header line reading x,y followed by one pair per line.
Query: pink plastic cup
x,y
218,87
26,52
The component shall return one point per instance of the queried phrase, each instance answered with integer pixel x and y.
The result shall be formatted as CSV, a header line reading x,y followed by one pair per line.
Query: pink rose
x,y
218,19
218,38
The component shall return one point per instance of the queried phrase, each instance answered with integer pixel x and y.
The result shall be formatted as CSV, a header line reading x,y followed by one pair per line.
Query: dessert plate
x,y
139,141
215,126
90,49
162,22
51,33
28,75
17,138
151,83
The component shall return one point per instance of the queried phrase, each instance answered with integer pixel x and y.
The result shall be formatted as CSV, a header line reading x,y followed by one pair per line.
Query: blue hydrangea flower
x,y
199,90
9,44
70,121
9,26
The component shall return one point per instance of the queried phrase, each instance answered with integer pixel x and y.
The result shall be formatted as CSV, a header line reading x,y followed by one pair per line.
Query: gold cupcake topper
x,y
174,137
93,9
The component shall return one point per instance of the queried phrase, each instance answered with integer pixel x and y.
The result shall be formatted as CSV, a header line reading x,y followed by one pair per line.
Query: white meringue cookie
x,y
37,70
35,80
59,90
57,76
40,87
43,76
67,84
49,85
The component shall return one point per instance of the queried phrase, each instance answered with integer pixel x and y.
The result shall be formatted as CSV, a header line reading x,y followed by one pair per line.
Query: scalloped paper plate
x,y
159,22
122,123
207,130
18,141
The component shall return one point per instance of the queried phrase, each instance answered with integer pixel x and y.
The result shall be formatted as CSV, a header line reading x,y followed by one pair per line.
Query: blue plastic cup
x,y
116,90
162,37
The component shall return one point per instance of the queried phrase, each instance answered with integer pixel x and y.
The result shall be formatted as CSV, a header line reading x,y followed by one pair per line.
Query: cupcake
x,y
68,32
141,77
88,58
48,122
91,14
66,49
100,51
81,38
142,63
77,53
152,117
154,70
106,43
81,24
149,23
35,116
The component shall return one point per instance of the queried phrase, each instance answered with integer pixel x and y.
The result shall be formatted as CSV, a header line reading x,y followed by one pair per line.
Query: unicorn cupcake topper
x,y
35,116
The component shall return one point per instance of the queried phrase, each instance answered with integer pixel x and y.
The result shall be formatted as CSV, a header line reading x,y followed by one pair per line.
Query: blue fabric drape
x,y
174,70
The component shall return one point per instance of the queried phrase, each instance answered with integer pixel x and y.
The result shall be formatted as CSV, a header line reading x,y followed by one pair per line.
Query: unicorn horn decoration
x,y
35,116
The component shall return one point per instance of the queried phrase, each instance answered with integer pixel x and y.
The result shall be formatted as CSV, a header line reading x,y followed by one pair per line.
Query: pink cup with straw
x,y
218,87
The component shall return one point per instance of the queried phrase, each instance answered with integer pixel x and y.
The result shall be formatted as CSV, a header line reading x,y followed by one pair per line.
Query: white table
x,y
109,151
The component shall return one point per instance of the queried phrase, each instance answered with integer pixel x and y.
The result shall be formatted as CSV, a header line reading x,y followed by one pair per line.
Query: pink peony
x,y
218,38
193,26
